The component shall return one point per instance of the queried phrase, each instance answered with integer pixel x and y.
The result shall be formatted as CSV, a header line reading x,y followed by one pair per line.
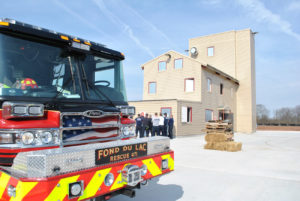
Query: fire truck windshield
x,y
34,70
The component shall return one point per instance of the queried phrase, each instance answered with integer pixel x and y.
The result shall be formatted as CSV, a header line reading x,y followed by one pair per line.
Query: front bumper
x,y
56,187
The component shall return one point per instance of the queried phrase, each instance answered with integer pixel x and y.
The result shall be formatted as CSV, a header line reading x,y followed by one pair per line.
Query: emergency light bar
x,y
80,46
21,110
62,36
127,110
69,40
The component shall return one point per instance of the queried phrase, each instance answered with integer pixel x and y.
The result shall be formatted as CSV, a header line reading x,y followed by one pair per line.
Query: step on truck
x,y
65,126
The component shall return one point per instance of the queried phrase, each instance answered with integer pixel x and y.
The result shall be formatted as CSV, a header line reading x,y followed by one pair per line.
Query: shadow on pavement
x,y
154,192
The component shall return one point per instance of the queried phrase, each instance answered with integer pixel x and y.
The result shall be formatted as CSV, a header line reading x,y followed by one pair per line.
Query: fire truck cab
x,y
65,131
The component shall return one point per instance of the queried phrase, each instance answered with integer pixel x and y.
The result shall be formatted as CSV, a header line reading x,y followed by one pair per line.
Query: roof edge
x,y
219,72
188,57
224,32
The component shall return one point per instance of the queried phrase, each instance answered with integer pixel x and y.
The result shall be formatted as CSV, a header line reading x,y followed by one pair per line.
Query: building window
x,y
189,84
167,110
208,115
210,51
208,85
152,87
162,66
178,63
186,114
221,89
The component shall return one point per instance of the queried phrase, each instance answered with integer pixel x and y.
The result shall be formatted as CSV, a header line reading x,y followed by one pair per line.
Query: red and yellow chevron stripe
x,y
56,188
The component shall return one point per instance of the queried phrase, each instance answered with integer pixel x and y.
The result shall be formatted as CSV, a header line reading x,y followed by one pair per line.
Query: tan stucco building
x,y
216,80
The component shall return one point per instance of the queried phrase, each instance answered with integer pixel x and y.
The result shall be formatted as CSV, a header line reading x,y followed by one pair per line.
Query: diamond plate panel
x,y
52,162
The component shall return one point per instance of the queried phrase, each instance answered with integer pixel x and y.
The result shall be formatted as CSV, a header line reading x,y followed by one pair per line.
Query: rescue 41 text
x,y
114,154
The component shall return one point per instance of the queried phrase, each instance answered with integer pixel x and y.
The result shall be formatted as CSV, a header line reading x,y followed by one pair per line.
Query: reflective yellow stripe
x,y
94,184
118,182
61,190
152,167
170,161
3,183
4,24
76,40
22,189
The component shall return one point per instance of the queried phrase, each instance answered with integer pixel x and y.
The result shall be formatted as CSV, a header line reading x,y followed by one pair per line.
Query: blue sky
x,y
144,29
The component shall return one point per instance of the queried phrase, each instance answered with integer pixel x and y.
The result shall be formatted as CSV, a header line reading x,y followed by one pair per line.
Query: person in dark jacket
x,y
139,126
165,128
171,126
146,125
150,124
161,124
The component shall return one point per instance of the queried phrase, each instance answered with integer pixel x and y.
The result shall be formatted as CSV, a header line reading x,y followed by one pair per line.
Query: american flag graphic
x,y
86,134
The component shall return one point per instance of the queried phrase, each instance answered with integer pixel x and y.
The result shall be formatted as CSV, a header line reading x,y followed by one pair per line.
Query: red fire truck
x,y
65,131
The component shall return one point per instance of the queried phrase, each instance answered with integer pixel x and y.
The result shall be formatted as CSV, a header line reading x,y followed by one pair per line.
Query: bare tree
x,y
297,114
282,116
287,115
262,114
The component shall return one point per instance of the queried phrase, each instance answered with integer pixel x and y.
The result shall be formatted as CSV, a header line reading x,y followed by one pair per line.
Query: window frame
x,y
158,66
166,108
210,85
181,65
212,114
190,78
149,87
221,88
191,114
190,117
213,52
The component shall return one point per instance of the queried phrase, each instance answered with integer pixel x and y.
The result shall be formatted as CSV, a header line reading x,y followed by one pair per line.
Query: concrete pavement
x,y
267,169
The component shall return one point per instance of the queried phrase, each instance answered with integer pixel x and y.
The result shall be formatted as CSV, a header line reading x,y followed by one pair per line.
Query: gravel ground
x,y
267,169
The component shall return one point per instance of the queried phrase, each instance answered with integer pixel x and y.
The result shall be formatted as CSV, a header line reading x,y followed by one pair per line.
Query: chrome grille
x,y
82,127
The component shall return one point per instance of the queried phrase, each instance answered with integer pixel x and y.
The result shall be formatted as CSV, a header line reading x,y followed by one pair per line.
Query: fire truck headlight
x,y
128,131
6,138
164,164
75,189
56,138
32,137
27,138
109,179
127,110
19,110
22,110
11,191
144,170
46,137
36,110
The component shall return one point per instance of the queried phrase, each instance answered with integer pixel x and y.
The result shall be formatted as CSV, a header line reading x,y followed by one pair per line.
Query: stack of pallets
x,y
219,136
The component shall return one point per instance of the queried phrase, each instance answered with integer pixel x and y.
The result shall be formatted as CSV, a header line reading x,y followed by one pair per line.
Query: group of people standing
x,y
154,125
